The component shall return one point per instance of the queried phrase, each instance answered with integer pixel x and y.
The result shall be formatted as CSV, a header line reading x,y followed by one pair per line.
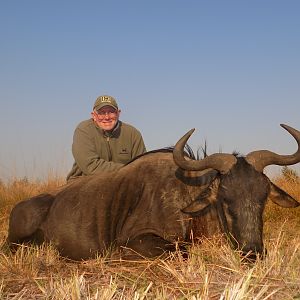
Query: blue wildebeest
x,y
154,202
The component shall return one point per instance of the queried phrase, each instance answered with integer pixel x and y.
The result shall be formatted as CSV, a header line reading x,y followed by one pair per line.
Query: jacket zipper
x,y
109,150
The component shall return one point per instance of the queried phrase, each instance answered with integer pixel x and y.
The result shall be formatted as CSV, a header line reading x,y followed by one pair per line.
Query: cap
x,y
104,101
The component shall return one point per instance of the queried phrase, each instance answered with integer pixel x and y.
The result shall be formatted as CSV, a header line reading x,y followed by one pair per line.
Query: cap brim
x,y
97,107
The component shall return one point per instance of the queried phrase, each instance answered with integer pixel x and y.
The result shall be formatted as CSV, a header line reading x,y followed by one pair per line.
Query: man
x,y
104,143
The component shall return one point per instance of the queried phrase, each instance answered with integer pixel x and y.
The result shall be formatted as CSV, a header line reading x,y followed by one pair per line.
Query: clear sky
x,y
231,69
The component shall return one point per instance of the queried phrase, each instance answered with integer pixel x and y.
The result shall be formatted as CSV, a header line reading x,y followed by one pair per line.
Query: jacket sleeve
x,y
86,157
138,146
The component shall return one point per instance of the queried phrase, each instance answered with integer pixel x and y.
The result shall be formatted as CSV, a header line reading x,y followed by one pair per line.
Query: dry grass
x,y
212,270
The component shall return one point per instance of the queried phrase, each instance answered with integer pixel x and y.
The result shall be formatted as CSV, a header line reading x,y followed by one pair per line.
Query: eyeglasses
x,y
102,114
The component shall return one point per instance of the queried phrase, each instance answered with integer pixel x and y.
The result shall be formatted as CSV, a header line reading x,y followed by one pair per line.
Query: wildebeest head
x,y
240,191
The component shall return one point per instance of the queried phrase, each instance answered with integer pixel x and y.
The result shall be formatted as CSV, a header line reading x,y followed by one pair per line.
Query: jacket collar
x,y
115,132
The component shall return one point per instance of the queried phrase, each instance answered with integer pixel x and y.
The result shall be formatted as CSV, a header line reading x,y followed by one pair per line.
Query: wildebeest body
x,y
141,202
155,201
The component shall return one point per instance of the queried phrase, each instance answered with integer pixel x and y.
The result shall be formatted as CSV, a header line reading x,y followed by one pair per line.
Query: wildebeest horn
x,y
221,162
261,158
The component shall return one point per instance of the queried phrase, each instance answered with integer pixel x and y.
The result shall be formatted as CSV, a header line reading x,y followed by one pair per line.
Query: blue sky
x,y
231,69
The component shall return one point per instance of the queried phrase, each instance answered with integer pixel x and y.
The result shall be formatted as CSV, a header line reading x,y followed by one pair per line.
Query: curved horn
x,y
221,162
261,158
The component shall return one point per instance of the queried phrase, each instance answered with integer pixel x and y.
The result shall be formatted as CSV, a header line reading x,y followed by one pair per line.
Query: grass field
x,y
211,271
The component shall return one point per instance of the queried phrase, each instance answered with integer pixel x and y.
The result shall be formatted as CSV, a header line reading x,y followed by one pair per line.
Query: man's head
x,y
106,112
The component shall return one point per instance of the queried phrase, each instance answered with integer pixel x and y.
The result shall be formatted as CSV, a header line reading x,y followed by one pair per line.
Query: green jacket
x,y
95,150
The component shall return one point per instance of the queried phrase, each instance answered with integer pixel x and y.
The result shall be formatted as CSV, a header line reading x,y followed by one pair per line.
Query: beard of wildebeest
x,y
241,201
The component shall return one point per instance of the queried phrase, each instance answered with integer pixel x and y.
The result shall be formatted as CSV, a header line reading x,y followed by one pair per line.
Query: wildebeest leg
x,y
25,219
147,245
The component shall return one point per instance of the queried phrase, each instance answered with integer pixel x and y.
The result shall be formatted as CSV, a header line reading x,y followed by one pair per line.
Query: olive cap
x,y
105,100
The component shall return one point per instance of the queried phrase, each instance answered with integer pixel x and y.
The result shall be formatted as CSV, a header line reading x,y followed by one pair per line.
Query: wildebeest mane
x,y
188,152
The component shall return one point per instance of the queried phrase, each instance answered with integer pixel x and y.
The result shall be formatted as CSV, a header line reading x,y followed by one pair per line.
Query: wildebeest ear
x,y
281,198
207,197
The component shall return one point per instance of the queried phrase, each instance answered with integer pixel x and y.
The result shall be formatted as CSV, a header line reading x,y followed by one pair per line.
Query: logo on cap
x,y
105,99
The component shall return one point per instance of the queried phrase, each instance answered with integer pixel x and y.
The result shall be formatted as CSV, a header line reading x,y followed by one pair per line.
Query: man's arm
x,y
138,145
86,157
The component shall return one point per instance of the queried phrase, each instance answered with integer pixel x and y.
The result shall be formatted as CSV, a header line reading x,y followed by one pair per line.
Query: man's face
x,y
106,117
